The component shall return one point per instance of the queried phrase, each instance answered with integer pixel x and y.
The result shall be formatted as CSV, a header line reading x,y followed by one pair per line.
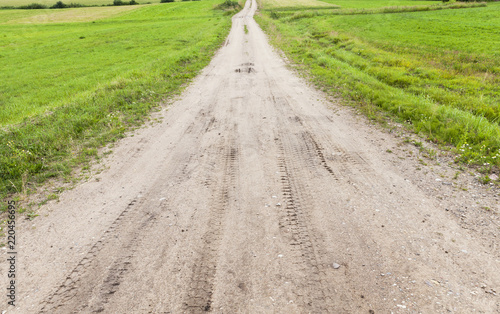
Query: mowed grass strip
x,y
438,70
70,88
279,4
368,4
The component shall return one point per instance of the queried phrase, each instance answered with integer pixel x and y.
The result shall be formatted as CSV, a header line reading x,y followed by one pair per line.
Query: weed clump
x,y
274,15
228,5
120,2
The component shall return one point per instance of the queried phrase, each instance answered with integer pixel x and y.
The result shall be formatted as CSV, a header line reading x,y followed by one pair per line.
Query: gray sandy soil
x,y
256,194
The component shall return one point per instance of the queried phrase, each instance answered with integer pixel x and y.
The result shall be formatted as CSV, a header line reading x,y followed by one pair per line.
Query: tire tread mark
x,y
344,161
199,294
68,289
133,214
294,222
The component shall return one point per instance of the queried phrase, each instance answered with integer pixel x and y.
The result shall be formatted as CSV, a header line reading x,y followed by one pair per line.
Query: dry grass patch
x,y
71,15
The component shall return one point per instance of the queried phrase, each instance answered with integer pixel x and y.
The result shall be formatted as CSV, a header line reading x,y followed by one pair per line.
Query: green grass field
x,y
438,69
45,66
70,87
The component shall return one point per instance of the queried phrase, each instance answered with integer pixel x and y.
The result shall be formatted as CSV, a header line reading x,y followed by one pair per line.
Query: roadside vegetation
x,y
433,65
46,4
51,4
70,86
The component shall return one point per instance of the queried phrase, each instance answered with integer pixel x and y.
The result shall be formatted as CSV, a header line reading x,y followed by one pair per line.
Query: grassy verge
x,y
114,74
437,70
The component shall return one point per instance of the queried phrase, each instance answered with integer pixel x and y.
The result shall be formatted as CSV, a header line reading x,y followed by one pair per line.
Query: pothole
x,y
245,70
247,67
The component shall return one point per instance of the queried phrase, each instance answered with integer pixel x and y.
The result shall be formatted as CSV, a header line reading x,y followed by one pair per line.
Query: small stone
x,y
336,266
278,204
491,291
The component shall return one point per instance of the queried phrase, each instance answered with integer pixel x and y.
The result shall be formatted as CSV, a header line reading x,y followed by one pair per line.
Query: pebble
x,y
278,204
336,266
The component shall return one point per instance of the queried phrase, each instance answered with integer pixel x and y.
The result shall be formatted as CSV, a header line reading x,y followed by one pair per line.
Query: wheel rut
x,y
74,294
94,280
198,298
298,154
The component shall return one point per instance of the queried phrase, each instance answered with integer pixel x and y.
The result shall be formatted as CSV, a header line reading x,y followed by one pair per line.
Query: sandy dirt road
x,y
253,195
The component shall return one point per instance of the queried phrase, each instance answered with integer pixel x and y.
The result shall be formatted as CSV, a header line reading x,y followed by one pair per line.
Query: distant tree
x,y
34,6
59,5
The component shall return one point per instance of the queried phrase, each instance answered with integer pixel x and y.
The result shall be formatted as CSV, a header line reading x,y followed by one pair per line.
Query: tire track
x,y
296,227
201,289
304,159
98,275
72,294
335,158
296,154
